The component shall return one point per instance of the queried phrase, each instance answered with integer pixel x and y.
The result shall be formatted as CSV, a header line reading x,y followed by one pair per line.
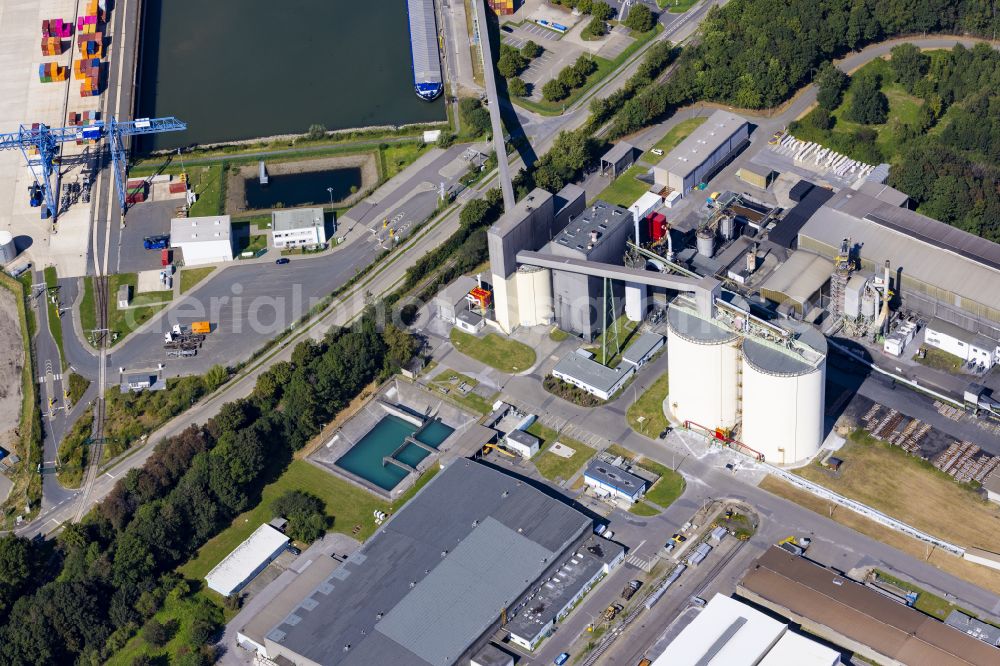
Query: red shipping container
x,y
178,188
165,257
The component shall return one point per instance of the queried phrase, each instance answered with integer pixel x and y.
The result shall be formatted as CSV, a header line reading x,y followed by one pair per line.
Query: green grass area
x,y
78,385
604,68
449,380
142,307
643,509
625,331
668,487
676,6
247,241
395,157
192,276
626,188
678,133
88,312
558,335
939,359
55,323
504,354
645,415
346,506
554,467
618,450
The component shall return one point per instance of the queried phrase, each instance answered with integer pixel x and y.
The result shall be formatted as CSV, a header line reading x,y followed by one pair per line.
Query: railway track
x,y
96,450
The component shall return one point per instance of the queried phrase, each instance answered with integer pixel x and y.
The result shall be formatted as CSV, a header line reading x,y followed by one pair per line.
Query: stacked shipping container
x,y
50,72
502,7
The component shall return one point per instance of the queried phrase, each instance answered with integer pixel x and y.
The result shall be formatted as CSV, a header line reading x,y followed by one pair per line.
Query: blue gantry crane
x,y
39,144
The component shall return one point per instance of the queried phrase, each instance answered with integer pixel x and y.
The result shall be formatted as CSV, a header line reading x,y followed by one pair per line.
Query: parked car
x,y
656,151
679,538
599,530
282,261
507,28
561,659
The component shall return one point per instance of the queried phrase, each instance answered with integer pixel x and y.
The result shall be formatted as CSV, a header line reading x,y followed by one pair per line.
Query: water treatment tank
x,y
702,359
534,296
7,249
783,393
635,301
706,242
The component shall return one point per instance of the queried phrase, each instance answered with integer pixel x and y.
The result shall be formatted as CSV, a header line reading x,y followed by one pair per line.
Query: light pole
x,y
330,191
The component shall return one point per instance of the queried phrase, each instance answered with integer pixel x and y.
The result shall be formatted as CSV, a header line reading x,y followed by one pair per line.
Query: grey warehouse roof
x,y
522,437
617,152
927,250
642,347
434,578
298,218
701,143
615,477
600,217
967,624
591,373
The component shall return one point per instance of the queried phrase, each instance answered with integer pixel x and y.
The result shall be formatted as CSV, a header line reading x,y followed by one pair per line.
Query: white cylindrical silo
x,y
702,359
635,299
534,296
7,249
783,394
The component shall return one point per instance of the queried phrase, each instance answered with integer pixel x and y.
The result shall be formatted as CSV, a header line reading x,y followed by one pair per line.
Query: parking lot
x,y
151,218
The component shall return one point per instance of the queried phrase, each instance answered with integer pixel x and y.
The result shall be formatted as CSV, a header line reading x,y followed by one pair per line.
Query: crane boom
x,y
40,143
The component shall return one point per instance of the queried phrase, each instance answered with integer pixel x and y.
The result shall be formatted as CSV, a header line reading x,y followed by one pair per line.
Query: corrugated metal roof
x,y
642,347
617,152
615,477
692,152
926,250
404,590
197,229
800,277
233,571
424,41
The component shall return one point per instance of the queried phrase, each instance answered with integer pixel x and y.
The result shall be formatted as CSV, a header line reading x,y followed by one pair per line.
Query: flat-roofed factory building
x,y
300,227
700,154
475,547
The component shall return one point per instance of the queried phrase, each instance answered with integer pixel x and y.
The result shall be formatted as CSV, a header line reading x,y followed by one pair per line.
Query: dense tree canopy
x,y
869,105
640,18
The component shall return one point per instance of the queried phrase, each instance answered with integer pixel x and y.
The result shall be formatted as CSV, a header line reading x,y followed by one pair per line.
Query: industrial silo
x,y
783,392
534,295
7,249
702,359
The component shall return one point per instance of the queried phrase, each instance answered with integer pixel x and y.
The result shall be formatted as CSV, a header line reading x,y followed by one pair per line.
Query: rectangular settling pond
x,y
244,69
303,189
364,459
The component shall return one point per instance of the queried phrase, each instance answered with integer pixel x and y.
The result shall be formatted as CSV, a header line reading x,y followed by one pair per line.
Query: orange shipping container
x,y
201,327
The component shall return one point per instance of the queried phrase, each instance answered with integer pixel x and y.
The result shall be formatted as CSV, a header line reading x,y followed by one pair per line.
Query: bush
x,y
585,66
596,28
554,91
571,78
531,50
475,119
158,634
305,514
511,64
566,391
820,118
640,19
316,132
601,10
517,87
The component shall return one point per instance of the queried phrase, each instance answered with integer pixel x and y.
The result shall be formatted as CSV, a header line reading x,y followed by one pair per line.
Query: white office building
x,y
300,227
964,344
613,482
522,443
203,240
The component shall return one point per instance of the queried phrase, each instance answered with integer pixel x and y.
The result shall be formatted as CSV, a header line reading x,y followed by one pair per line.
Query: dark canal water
x,y
302,189
241,69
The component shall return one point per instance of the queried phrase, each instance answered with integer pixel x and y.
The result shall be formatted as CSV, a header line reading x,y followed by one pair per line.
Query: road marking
x,y
110,474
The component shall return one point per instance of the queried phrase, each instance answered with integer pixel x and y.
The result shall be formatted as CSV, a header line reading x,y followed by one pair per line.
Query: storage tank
x,y
534,295
783,394
702,359
7,249
635,299
727,226
706,242
868,304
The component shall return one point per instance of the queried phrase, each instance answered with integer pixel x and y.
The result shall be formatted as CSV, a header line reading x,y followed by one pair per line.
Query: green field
x,y
503,354
678,133
192,276
626,188
554,467
928,603
397,156
346,506
649,406
668,487
451,380
88,312
939,359
643,509
604,68
55,323
626,335
78,385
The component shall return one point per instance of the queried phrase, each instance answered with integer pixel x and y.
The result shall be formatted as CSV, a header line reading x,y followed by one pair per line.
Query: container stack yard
x,y
90,41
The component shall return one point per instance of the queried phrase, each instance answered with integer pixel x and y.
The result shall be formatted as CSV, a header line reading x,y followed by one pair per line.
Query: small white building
x,y
991,484
299,227
643,349
124,296
249,559
522,443
613,482
139,381
964,344
203,240
599,380
896,341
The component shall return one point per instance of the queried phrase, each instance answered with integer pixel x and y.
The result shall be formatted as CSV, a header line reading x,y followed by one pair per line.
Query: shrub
x,y
531,50
517,87
555,90
640,19
596,28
